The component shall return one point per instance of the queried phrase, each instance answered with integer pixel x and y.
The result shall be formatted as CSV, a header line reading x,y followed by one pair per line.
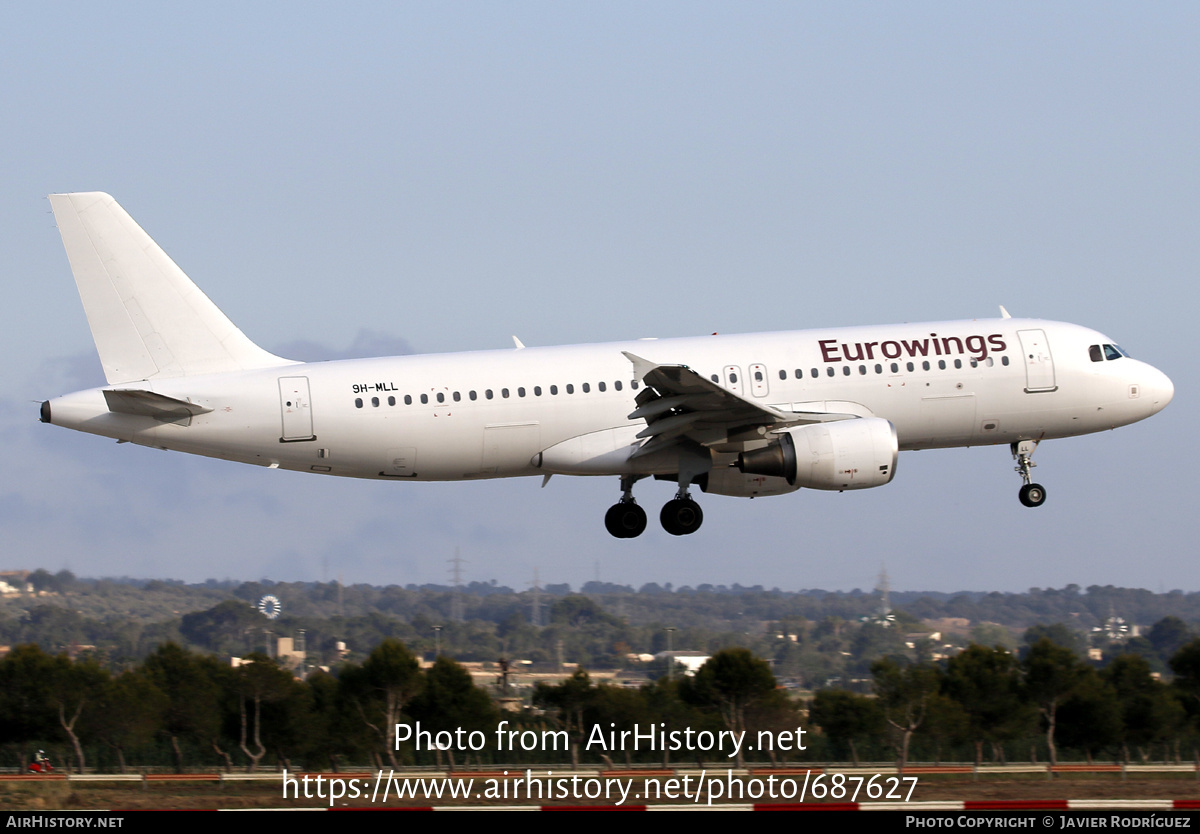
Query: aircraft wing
x,y
677,404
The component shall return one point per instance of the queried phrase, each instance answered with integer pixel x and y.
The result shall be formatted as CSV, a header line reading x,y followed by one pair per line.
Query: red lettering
x,y
829,350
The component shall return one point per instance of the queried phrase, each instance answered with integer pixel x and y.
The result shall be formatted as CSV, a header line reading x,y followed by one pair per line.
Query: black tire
x,y
1033,495
681,517
625,520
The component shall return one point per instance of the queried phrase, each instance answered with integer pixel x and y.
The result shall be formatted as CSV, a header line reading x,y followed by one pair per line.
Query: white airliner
x,y
742,415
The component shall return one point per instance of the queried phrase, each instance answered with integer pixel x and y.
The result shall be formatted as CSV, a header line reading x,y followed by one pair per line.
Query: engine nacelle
x,y
847,454
725,480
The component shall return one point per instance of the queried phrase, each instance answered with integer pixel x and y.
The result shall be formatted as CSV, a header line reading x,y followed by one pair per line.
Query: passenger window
x,y
457,397
925,365
862,369
909,365
799,374
716,379
553,390
758,376
782,374
424,399
520,392
391,400
488,393
879,369
958,363
617,385
441,397
633,384
472,396
829,371
504,393
1003,360
816,374
895,368
845,370
537,390
732,379
941,364
375,402
408,399
1095,354
570,388
601,386
358,402
587,389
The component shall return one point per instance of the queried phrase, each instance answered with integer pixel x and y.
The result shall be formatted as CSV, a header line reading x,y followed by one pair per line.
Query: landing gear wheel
x,y
1033,495
681,516
625,520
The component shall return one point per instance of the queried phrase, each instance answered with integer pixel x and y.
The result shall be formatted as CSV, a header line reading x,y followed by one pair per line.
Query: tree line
x,y
184,709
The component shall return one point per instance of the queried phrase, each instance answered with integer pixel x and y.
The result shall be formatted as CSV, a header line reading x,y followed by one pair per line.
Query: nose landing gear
x,y
1031,495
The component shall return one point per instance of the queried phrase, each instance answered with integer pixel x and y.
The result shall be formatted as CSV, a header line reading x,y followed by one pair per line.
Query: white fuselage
x,y
491,414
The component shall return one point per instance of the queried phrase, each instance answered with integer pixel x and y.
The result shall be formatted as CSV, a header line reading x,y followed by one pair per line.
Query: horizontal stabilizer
x,y
148,319
149,404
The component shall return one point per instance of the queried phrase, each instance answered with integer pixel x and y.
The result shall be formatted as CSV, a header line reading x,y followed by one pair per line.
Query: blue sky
x,y
442,176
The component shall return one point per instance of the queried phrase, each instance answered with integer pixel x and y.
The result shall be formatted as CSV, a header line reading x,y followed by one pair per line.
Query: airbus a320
x,y
741,415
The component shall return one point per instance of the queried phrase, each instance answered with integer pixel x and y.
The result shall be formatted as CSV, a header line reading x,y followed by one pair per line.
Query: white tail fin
x,y
147,317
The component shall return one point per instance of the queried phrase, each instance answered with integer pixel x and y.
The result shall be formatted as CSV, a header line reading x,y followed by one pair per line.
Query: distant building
x,y
691,661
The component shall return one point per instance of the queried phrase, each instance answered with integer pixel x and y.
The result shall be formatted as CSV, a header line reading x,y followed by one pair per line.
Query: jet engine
x,y
847,454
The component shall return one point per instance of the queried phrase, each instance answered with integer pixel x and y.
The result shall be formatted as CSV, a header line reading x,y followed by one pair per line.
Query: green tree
x,y
1150,712
733,680
259,680
1052,673
569,699
846,717
128,713
1089,718
450,700
904,693
189,684
381,688
986,683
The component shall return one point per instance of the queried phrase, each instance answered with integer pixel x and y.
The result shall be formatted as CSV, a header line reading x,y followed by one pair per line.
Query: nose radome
x,y
1159,389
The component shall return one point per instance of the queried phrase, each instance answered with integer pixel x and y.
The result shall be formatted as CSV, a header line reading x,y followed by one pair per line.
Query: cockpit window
x,y
1096,354
1113,352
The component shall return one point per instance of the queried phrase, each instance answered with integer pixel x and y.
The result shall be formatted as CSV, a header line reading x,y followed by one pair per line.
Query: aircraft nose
x,y
1159,389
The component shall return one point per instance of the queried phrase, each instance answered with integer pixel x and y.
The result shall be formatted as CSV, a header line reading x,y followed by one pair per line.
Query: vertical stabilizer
x,y
148,319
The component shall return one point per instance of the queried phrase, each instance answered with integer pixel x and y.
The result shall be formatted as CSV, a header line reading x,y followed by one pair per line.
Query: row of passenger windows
x,y
894,367
488,394
586,388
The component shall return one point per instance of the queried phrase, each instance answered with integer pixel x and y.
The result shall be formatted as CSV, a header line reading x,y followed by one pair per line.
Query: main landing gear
x,y
680,516
1031,495
625,519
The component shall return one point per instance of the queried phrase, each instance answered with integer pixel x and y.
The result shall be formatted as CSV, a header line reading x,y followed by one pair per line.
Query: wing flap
x,y
680,405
